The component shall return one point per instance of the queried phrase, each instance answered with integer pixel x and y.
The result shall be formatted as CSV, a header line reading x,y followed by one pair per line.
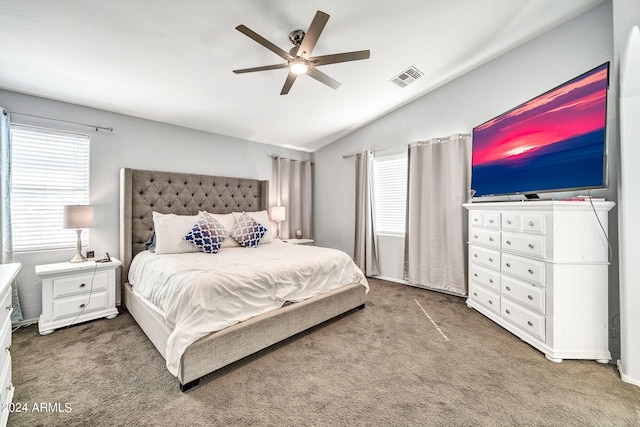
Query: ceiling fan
x,y
299,59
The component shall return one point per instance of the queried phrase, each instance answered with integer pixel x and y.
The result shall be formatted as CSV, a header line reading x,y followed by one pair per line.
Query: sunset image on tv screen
x,y
555,141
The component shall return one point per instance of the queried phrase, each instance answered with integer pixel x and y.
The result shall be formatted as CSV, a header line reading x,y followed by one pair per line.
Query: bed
x,y
142,193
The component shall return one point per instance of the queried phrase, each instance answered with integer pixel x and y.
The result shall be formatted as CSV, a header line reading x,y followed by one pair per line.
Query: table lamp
x,y
278,215
78,217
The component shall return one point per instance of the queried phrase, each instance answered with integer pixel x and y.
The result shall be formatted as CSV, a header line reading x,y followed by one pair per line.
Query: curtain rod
x,y
455,135
273,156
346,156
97,128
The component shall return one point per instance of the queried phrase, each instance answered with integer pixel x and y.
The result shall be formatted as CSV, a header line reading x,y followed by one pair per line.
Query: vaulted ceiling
x,y
172,60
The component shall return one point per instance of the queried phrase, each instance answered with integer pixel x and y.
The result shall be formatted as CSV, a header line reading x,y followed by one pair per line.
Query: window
x,y
49,169
390,193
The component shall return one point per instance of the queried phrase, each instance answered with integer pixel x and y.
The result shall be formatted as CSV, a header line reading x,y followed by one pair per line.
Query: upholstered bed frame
x,y
141,193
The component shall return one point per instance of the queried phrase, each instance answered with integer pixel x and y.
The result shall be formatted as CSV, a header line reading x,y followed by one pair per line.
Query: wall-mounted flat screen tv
x,y
554,142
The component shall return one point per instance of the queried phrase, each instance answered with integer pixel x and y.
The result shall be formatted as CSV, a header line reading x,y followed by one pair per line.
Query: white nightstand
x,y
299,241
74,293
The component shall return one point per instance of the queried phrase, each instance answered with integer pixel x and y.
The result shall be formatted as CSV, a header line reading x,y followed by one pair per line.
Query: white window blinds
x,y
49,169
390,193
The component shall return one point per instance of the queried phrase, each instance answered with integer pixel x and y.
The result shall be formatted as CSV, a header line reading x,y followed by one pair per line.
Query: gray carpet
x,y
385,365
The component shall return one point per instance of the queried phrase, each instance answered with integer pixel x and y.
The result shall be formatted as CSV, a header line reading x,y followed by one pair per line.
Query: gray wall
x,y
135,143
497,86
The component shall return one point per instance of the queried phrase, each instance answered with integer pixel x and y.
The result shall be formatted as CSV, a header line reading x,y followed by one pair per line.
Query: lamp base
x,y
78,258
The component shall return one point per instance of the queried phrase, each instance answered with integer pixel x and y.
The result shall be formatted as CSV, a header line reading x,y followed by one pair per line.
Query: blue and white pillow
x,y
247,231
208,234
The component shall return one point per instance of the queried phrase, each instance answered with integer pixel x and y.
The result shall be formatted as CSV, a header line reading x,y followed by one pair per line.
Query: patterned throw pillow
x,y
247,231
208,234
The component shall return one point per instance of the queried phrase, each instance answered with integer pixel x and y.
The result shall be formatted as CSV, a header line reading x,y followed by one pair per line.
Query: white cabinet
x,y
76,292
540,270
8,273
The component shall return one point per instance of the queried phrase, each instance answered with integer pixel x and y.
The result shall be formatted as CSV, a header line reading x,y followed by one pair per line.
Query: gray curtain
x,y
291,187
366,243
438,184
5,208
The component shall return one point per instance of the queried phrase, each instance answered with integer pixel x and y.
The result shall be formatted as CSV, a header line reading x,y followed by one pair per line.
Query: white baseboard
x,y
24,323
392,279
626,378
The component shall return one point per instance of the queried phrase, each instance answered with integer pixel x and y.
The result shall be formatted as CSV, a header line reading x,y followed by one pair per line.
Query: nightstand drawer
x,y
484,276
524,268
73,305
489,238
528,295
81,283
487,257
524,244
6,390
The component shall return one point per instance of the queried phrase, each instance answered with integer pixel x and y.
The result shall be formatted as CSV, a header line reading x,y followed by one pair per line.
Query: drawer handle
x,y
475,236
82,285
490,221
475,274
475,219
7,348
9,307
509,221
507,311
490,302
490,259
475,294
490,280
530,246
508,288
530,223
82,305
530,297
530,271
507,265
529,323
508,242
475,255
491,239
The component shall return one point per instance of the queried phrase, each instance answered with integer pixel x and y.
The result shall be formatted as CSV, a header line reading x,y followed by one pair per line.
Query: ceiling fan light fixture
x,y
298,67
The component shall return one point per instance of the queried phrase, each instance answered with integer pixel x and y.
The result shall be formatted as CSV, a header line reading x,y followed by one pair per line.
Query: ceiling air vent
x,y
407,77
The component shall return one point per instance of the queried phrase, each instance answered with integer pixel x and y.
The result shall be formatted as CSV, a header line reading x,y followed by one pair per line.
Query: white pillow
x,y
261,217
170,230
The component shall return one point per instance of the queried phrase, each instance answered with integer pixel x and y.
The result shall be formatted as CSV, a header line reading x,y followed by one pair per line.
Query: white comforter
x,y
201,293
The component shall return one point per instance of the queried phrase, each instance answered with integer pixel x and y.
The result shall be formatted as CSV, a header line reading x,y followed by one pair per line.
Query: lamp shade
x,y
78,216
277,213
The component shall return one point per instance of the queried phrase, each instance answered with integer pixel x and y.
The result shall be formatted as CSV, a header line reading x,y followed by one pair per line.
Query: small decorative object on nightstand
x,y
8,273
299,241
74,293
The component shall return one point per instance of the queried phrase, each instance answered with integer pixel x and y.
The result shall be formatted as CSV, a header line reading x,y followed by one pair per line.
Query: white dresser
x,y
8,273
76,292
540,270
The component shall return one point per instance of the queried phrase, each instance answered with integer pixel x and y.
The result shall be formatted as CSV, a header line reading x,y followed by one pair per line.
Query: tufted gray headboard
x,y
142,192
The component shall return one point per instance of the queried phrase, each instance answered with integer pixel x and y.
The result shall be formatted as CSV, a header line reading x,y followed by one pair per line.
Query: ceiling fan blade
x,y
340,57
264,42
265,68
288,83
311,37
323,78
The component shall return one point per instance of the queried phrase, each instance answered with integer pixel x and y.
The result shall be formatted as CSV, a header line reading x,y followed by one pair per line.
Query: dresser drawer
x,y
524,268
5,342
7,306
524,244
524,319
490,238
71,306
487,257
534,223
524,293
490,220
485,277
485,297
6,390
81,283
